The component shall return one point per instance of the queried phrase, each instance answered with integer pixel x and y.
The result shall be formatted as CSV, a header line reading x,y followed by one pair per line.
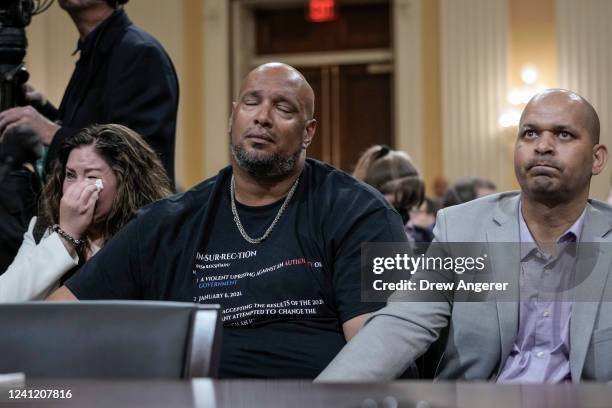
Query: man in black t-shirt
x,y
274,238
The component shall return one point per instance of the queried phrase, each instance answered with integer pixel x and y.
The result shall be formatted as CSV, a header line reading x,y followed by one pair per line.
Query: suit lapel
x,y
505,262
592,269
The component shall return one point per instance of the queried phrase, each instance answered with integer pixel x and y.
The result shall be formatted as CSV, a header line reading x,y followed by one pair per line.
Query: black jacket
x,y
123,76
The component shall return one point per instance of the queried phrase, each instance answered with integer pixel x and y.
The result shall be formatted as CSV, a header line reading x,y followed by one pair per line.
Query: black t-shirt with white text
x,y
285,299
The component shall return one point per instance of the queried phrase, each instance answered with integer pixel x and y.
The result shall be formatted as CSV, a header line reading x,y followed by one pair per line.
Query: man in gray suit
x,y
556,154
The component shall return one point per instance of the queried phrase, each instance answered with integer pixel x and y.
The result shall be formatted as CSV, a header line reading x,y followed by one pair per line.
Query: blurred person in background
x,y
393,174
440,187
103,175
468,189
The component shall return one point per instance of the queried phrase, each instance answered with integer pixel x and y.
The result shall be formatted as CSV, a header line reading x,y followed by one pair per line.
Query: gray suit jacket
x,y
481,335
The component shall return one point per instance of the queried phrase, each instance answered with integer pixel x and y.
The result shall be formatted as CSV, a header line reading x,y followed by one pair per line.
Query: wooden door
x,y
353,107
365,111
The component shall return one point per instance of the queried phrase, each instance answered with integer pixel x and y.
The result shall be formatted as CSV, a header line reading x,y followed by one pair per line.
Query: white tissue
x,y
99,184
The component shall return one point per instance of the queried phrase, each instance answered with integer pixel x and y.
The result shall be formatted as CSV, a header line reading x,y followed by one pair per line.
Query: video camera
x,y
15,15
18,146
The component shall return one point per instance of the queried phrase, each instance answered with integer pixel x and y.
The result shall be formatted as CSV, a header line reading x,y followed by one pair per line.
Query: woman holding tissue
x,y
103,175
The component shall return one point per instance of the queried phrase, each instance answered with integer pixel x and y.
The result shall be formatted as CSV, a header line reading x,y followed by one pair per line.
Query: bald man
x,y
274,238
537,334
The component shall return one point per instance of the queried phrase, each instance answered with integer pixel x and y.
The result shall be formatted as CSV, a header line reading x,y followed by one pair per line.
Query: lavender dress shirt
x,y
540,353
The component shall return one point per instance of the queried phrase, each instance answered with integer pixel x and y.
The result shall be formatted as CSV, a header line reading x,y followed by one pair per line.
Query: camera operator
x,y
123,76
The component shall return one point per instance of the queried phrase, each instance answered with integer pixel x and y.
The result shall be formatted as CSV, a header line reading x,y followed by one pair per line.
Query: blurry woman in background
x,y
392,173
103,175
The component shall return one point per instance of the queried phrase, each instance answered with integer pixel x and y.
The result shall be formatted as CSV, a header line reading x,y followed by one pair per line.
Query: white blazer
x,y
36,269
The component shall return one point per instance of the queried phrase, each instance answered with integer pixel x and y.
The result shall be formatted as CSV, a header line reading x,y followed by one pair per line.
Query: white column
x,y
474,83
408,78
217,72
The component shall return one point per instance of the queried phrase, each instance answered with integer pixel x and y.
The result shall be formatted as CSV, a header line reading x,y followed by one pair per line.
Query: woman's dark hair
x,y
392,172
141,178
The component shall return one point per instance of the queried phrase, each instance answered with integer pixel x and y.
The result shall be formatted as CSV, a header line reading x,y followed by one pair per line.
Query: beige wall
x,y
433,166
52,39
533,40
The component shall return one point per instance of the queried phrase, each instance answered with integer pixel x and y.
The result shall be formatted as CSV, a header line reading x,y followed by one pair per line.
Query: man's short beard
x,y
265,167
